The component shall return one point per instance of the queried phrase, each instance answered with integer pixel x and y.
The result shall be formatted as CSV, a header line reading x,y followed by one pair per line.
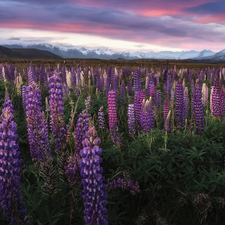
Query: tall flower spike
x,y
158,99
94,194
10,190
88,103
166,112
131,120
56,111
24,93
37,128
113,118
101,119
185,102
216,101
205,94
81,129
179,106
198,108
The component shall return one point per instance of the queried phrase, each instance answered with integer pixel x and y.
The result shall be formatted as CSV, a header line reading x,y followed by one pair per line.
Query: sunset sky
x,y
121,25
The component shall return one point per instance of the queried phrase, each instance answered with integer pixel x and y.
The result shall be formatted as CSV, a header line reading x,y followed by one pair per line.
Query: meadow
x,y
112,142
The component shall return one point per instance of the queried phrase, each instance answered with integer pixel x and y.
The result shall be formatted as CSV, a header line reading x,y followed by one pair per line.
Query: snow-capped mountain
x,y
110,54
219,56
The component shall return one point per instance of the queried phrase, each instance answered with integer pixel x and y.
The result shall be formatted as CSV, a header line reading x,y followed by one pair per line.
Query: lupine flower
x,y
124,184
37,128
30,75
129,88
10,190
205,94
72,169
73,77
198,108
137,80
101,119
222,108
152,93
88,103
185,102
80,130
158,99
147,120
179,106
166,111
131,120
56,111
137,107
24,93
115,83
216,101
94,193
113,117
211,108
168,84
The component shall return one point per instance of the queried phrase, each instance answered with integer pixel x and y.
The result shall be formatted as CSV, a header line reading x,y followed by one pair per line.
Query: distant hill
x,y
26,53
107,53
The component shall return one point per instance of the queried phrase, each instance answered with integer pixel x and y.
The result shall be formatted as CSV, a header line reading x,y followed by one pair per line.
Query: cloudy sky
x,y
135,25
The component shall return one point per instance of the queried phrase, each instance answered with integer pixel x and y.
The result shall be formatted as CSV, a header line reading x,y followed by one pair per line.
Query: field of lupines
x,y
83,145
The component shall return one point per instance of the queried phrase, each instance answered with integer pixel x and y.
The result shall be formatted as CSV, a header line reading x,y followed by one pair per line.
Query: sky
x,y
120,25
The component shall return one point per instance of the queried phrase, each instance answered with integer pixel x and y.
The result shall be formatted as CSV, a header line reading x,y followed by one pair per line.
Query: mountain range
x,y
205,55
26,53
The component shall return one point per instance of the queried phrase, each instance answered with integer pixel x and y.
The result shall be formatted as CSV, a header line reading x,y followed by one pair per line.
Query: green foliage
x,y
180,174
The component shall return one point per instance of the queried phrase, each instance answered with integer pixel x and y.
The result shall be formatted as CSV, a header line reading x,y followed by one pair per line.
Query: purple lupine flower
x,y
63,75
88,103
108,80
101,119
113,117
122,92
185,102
94,190
158,99
166,112
124,185
72,169
152,93
198,109
30,75
147,117
73,77
80,130
129,88
56,111
37,128
168,84
137,108
43,75
24,93
8,102
115,83
222,108
101,85
137,80
10,190
172,96
179,106
131,120
216,101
